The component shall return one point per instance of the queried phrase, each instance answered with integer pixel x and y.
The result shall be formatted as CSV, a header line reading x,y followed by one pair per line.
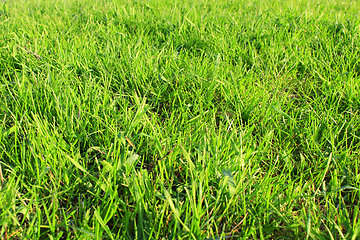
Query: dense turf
x,y
179,119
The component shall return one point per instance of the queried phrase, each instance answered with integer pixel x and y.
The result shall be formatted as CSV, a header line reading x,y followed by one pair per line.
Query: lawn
x,y
185,119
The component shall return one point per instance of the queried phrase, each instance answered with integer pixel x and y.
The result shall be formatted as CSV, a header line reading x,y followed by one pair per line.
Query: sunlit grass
x,y
179,120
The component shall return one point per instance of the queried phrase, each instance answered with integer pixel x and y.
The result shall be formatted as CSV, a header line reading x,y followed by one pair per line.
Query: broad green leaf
x,y
107,165
9,131
73,161
79,229
131,160
103,224
172,206
308,225
230,181
188,159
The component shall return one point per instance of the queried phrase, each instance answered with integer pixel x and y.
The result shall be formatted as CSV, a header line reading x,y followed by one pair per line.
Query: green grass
x,y
179,119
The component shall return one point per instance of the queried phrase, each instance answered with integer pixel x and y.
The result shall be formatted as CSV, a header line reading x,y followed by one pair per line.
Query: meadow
x,y
154,119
